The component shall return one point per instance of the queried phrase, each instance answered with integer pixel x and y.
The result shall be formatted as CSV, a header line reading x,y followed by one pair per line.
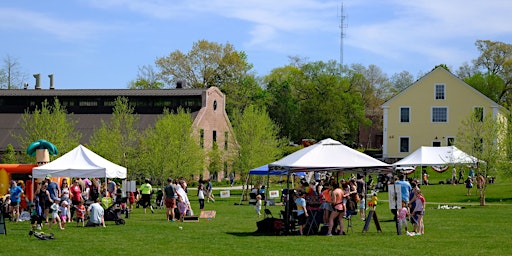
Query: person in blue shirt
x,y
15,192
302,212
405,187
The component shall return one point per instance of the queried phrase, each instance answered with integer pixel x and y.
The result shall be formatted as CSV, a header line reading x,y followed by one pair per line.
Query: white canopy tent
x,y
327,154
80,162
437,156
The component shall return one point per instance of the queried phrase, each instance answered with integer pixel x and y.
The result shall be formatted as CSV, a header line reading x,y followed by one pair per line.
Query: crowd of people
x,y
340,200
56,204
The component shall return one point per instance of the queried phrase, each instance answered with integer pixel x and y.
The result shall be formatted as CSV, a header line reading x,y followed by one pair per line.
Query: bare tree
x,y
11,75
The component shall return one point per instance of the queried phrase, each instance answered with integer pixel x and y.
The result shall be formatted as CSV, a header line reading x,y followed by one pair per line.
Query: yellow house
x,y
429,113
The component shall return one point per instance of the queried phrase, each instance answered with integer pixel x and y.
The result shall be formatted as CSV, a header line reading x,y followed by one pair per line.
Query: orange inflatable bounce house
x,y
6,173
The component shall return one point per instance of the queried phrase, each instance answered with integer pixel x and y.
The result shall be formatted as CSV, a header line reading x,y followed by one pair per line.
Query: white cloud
x,y
33,22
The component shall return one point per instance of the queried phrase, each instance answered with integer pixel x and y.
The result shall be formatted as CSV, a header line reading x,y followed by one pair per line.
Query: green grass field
x,y
473,230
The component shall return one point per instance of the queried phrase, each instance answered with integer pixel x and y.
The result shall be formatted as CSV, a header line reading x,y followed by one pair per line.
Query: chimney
x,y
180,84
51,81
38,81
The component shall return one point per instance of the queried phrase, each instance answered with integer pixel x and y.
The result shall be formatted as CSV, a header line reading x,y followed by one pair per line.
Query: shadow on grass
x,y
245,234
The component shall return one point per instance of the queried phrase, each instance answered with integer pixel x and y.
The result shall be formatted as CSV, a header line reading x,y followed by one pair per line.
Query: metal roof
x,y
101,92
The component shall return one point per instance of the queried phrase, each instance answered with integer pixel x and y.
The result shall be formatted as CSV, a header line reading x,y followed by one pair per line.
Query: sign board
x,y
395,196
225,194
273,193
207,214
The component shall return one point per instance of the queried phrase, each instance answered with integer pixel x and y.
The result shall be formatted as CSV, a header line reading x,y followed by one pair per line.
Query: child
x,y
55,213
362,206
374,200
302,212
403,213
257,206
182,207
36,216
63,211
80,213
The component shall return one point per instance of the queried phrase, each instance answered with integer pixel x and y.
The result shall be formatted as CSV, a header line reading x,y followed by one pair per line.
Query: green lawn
x,y
473,230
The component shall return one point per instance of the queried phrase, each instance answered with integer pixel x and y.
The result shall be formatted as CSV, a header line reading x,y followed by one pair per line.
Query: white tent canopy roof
x,y
80,162
432,156
327,154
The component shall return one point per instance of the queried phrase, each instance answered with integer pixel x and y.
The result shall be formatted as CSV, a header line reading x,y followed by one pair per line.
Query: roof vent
x,y
180,84
51,81
38,81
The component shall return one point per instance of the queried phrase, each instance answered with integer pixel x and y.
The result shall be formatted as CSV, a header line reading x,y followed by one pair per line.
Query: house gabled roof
x,y
441,69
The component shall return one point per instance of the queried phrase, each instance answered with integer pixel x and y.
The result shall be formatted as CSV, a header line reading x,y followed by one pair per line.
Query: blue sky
x,y
90,44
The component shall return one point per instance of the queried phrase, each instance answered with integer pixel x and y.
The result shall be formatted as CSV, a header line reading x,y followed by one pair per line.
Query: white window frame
x,y
448,140
400,115
483,112
432,114
443,92
408,144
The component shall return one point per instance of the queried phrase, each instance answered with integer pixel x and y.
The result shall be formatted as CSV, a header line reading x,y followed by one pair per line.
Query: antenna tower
x,y
343,26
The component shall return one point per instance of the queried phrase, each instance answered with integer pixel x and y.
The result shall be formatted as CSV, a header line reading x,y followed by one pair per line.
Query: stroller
x,y
113,211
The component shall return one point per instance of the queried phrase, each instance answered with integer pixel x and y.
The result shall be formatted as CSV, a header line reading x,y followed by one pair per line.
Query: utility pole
x,y
343,26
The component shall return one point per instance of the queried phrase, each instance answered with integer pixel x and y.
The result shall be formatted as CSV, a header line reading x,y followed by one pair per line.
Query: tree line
x,y
304,99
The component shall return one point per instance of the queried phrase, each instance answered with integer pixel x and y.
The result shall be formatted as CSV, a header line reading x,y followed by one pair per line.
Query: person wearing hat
x,y
64,211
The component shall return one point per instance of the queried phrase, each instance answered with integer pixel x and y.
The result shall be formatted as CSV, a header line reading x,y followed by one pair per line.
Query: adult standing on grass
x,y
44,199
200,195
170,199
454,176
405,187
15,192
418,211
53,188
209,191
76,196
338,209
145,190
469,185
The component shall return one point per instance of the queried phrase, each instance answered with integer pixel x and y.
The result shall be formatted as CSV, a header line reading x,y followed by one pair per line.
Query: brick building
x,y
90,106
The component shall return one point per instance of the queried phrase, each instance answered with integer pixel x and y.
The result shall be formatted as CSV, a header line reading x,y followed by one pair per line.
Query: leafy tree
x,y
399,82
484,140
147,78
10,156
207,64
215,160
170,149
257,137
494,70
283,104
117,139
49,122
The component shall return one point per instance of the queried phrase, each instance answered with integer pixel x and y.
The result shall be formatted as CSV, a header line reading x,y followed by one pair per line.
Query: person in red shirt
x,y
76,196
